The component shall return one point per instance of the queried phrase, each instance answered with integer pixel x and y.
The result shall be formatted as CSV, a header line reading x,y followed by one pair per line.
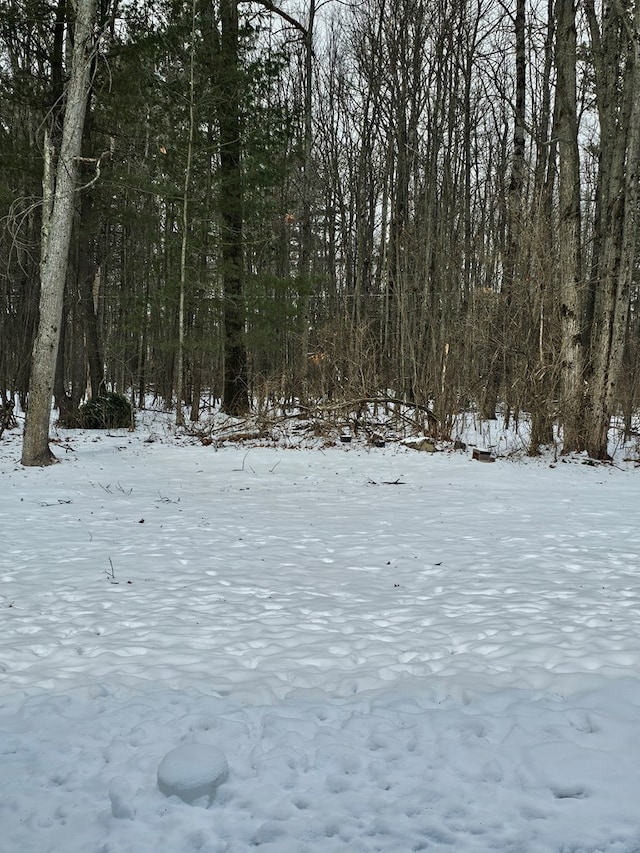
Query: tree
x,y
56,242
235,396
271,196
569,231
30,67
616,52
235,400
185,224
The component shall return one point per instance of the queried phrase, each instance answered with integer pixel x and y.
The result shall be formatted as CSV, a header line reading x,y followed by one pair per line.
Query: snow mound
x,y
121,796
191,771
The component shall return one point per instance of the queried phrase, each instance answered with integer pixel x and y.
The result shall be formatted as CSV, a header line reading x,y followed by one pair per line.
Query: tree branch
x,y
271,7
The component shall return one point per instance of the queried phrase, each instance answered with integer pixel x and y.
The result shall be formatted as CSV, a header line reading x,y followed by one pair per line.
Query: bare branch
x,y
97,161
271,7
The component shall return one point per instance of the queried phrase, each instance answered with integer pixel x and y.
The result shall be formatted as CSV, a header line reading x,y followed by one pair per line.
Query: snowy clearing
x,y
394,651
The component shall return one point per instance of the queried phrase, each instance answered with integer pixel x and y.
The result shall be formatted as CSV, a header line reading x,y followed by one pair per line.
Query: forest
x,y
277,204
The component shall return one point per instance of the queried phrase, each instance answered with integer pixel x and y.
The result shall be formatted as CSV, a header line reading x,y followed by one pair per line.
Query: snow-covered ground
x,y
393,651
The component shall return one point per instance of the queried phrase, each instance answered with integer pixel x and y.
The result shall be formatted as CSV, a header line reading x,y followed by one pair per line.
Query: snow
x,y
392,651
190,772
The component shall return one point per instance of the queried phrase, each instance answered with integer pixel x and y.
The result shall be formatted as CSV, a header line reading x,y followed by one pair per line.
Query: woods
x,y
301,202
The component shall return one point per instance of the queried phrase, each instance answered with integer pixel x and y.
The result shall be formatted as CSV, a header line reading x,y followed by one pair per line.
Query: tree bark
x,y
513,250
235,394
35,449
516,183
616,49
569,229
185,227
306,232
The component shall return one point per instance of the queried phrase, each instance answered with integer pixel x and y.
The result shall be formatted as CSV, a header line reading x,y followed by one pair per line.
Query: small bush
x,y
107,411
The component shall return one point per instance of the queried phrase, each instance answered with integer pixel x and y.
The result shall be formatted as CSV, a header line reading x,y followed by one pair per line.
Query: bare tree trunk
x,y
513,250
571,351
306,233
616,50
542,262
516,183
185,227
35,448
235,394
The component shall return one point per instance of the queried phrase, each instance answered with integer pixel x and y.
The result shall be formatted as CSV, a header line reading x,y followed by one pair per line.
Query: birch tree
x,y
56,242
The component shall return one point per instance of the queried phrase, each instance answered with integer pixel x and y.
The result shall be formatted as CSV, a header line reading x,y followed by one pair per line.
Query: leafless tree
x,y
56,242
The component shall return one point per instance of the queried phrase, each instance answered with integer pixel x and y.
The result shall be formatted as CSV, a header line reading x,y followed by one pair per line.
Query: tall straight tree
x,y
516,183
235,394
569,229
56,242
185,225
616,51
514,249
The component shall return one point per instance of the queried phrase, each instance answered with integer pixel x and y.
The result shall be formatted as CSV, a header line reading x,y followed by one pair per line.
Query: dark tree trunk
x,y
235,397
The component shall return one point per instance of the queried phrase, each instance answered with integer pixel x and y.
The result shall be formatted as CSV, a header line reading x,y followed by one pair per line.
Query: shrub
x,y
106,411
